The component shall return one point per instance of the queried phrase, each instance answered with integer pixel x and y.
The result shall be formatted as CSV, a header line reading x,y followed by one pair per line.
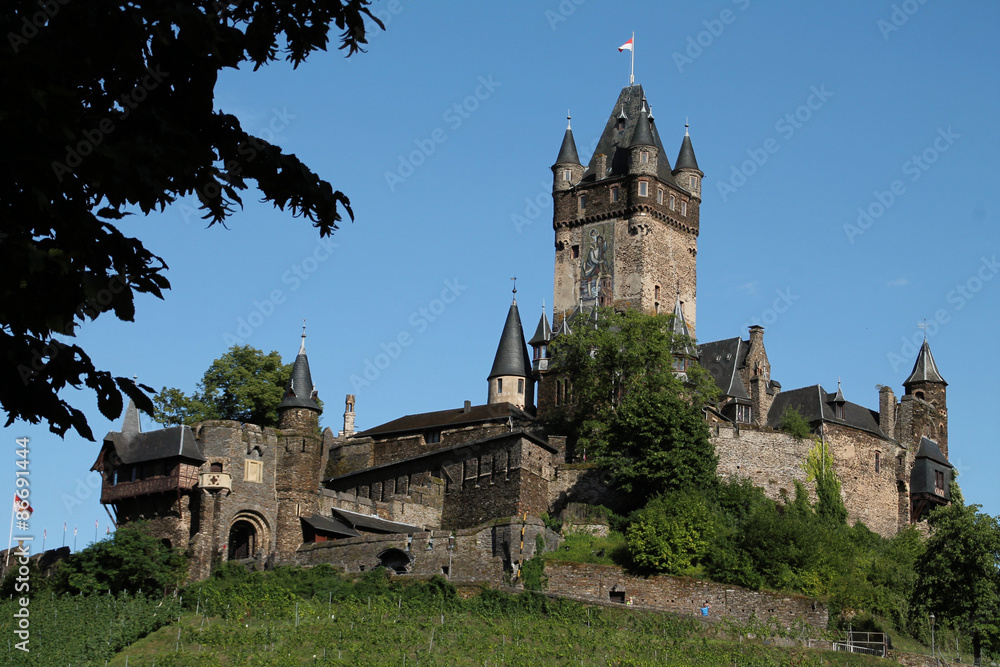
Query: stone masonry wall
x,y
409,445
871,495
681,595
420,505
770,459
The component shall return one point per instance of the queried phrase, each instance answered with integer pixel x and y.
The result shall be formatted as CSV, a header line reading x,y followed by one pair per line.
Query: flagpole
x,y
631,69
10,539
64,533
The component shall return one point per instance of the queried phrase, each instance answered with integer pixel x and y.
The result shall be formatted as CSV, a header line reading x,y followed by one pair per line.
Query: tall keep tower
x,y
626,226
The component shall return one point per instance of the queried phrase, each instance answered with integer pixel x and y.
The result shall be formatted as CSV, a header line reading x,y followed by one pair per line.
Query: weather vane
x,y
923,325
514,280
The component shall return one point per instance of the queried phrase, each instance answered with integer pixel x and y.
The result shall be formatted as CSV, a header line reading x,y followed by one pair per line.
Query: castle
x,y
459,491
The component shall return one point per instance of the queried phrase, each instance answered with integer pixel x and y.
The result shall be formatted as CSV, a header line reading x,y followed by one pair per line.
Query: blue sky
x,y
850,158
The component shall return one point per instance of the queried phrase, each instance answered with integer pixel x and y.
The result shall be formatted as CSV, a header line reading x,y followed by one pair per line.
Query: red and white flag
x,y
22,505
627,46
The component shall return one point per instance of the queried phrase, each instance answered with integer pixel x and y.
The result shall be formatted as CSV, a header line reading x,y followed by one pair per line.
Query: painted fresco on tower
x,y
597,272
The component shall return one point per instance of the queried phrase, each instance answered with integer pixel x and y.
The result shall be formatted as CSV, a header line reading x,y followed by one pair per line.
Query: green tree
x,y
819,468
672,533
631,413
110,109
959,574
794,424
244,385
130,560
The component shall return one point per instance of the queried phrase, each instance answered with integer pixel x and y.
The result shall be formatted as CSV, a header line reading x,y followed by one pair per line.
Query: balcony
x,y
140,487
215,481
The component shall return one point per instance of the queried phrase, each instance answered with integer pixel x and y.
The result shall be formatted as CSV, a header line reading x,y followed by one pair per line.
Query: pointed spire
x,y
567,152
685,158
512,354
131,425
642,135
679,327
300,391
564,326
839,398
925,369
543,332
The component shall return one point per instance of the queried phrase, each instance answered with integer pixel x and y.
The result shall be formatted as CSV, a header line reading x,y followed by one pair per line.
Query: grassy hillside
x,y
291,617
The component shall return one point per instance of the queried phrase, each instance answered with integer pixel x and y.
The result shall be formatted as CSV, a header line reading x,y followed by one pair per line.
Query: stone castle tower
x,y
626,226
301,455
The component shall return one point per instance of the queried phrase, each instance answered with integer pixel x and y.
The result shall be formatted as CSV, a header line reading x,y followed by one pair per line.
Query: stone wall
x,y
681,595
870,492
580,483
770,459
418,505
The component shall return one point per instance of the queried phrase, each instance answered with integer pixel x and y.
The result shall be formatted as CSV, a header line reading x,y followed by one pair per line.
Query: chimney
x,y
887,411
756,335
602,166
468,407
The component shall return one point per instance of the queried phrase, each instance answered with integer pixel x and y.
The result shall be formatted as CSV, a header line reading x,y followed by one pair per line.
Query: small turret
x,y
510,379
299,409
643,152
540,344
567,171
686,171
686,353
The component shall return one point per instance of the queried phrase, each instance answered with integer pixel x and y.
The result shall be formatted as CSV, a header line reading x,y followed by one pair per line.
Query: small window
x,y
743,414
939,482
215,467
499,385
680,364
567,175
839,410
659,195
583,202
576,251
656,307
520,386
673,202
694,182
253,471
431,437
878,462
684,208
656,292
614,193
643,157
643,188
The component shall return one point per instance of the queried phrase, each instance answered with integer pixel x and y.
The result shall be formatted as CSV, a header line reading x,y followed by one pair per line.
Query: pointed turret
x,y
925,369
540,344
642,136
299,404
567,171
643,153
510,379
686,171
680,329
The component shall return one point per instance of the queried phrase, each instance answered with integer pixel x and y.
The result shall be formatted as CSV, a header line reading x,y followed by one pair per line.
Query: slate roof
x,y
543,332
327,524
166,443
816,404
642,135
448,418
567,152
131,424
512,354
928,449
300,392
373,524
614,143
925,369
685,158
723,359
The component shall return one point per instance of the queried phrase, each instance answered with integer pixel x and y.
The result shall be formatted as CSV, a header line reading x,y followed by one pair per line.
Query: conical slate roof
x,y
300,392
567,152
685,158
512,354
925,369
543,332
642,136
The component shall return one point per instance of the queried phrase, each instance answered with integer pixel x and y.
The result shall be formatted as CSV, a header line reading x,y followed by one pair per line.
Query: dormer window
x,y
743,414
432,437
838,410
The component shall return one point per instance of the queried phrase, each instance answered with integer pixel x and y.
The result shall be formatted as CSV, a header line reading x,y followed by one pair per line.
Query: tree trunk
x,y
977,649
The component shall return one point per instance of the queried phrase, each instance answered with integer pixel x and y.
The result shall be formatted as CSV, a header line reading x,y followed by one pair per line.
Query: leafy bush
x,y
794,424
673,533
